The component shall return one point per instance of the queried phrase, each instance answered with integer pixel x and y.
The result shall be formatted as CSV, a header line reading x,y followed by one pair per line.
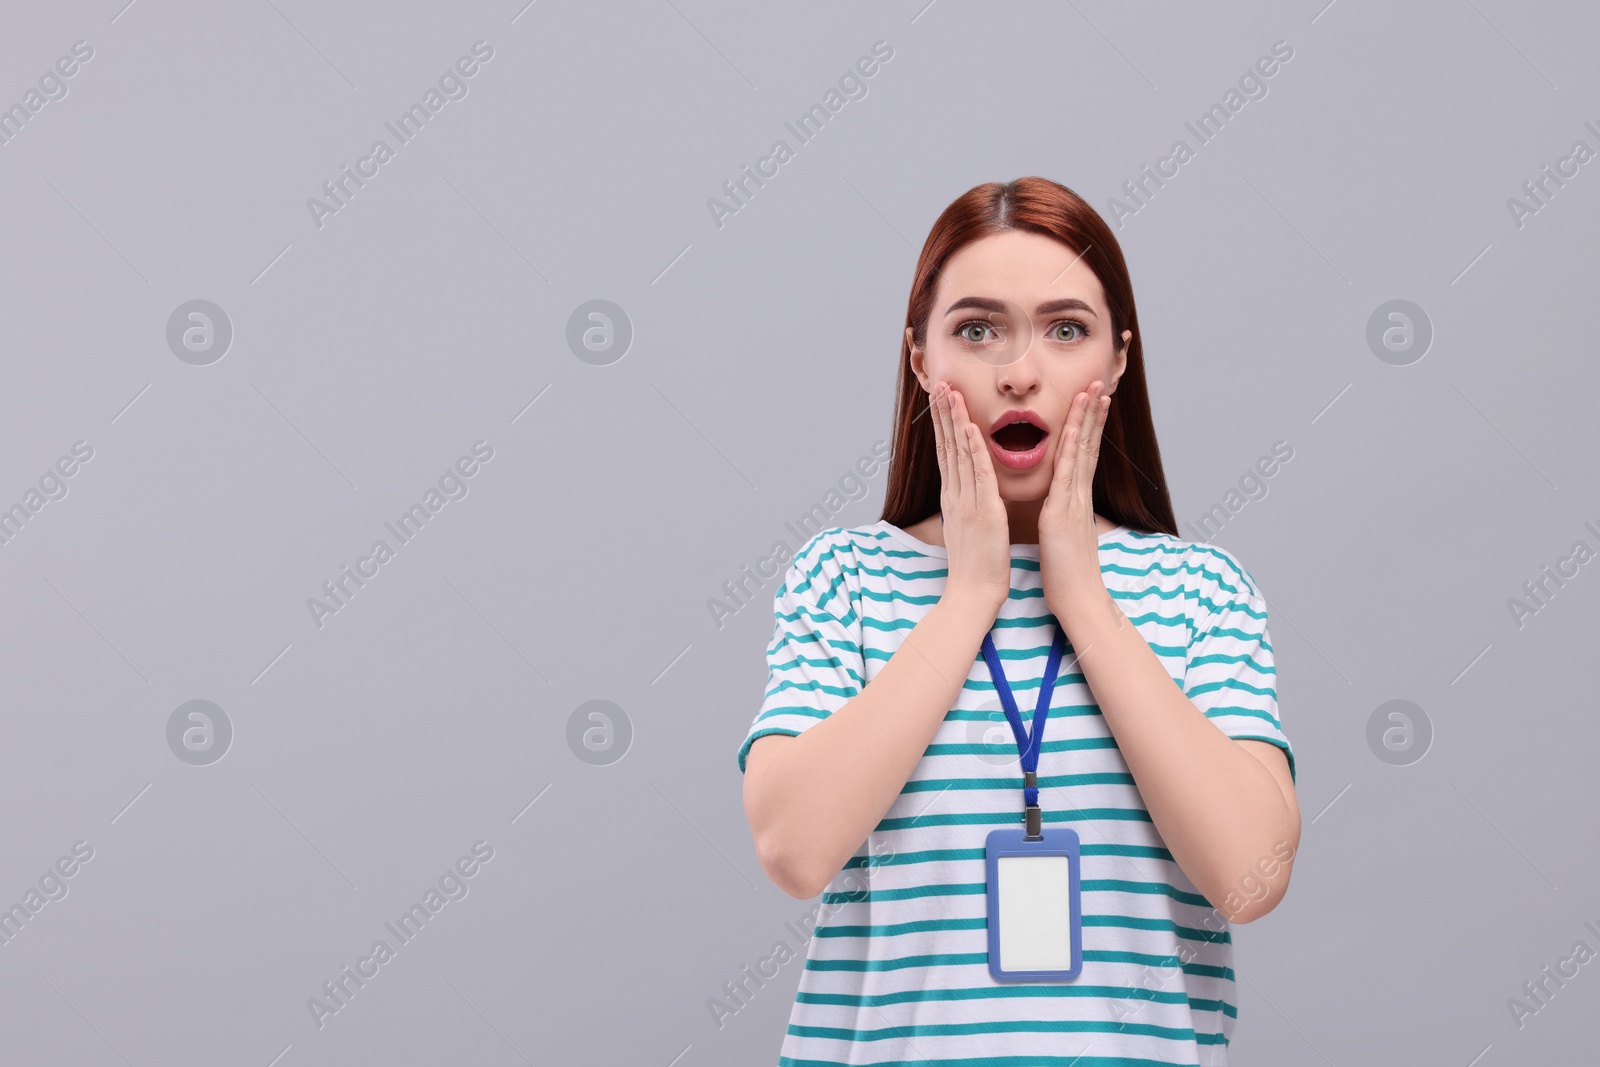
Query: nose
x,y
1018,378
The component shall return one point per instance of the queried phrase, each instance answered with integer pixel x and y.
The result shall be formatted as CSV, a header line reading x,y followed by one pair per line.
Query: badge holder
x,y
1035,924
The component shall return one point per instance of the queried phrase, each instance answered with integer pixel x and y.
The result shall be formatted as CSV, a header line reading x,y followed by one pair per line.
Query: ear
x,y
1121,360
917,361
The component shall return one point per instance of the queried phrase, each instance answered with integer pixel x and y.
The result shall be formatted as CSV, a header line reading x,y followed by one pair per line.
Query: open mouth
x,y
1019,437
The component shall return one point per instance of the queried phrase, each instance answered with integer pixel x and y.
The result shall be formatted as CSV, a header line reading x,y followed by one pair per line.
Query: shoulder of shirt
x,y
1212,578
824,567
825,545
824,555
1207,570
1219,569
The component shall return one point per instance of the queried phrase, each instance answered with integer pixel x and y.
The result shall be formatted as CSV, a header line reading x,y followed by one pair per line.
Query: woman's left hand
x,y
1069,546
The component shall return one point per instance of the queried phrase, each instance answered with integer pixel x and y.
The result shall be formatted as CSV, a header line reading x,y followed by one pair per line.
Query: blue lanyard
x,y
1027,743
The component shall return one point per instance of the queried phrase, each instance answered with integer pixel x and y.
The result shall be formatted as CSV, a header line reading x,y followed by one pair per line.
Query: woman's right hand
x,y
977,535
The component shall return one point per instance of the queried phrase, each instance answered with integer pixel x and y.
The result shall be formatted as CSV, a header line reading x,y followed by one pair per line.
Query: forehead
x,y
1027,268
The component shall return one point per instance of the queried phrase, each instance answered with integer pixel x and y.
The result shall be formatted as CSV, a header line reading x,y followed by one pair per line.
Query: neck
x,y
1023,518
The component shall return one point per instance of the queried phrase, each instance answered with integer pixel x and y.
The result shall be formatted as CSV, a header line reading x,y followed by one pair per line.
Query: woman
x,y
1008,529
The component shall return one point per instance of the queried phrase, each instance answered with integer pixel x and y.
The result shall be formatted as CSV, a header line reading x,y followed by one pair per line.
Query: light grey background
x,y
431,311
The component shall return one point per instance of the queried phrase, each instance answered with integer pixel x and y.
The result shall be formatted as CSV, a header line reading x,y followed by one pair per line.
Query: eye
x,y
961,331
1083,330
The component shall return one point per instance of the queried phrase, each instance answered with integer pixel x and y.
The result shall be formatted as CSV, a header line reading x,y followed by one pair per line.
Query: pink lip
x,y
1018,415
1020,461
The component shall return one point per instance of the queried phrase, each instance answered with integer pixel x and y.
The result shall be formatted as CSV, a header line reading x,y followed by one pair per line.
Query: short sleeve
x,y
1231,675
814,659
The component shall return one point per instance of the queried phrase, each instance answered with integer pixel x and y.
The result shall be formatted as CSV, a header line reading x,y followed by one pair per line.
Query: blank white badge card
x,y
1035,912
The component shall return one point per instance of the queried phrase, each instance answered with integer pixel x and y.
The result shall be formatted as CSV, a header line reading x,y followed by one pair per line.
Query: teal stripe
x,y
979,959
946,959
895,595
832,661
792,640
1255,637
995,715
815,602
1119,885
1130,922
1049,781
895,929
1231,564
813,686
966,889
902,859
1020,1026
1169,572
913,892
1010,818
957,855
995,992
1242,658
1187,933
1070,744
1234,683
1230,608
978,685
1251,713
797,633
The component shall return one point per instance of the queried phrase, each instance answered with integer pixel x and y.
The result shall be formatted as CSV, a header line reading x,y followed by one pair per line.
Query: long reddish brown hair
x,y
1129,486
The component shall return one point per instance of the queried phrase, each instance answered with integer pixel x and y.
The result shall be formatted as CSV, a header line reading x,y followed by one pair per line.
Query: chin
x,y
1023,487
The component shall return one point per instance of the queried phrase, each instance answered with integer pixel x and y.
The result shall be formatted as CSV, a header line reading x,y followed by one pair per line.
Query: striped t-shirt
x,y
897,972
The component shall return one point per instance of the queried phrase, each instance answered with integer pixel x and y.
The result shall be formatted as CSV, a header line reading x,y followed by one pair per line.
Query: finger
x,y
983,476
1089,437
938,432
964,452
948,449
986,486
1061,473
952,442
977,453
1067,448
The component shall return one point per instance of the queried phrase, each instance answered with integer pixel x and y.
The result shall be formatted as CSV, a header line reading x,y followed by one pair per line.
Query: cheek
x,y
941,364
1069,387
969,381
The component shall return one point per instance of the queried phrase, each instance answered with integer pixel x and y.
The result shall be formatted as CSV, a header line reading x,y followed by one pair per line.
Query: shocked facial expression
x,y
1019,327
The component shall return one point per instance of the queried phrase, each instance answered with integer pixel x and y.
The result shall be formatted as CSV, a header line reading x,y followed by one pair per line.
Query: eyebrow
x,y
985,304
